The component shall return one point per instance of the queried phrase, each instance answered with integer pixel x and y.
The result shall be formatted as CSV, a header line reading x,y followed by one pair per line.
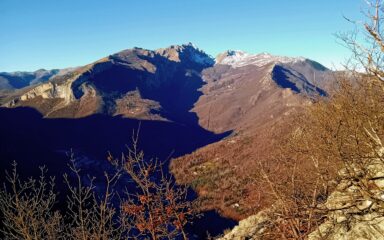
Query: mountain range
x,y
214,117
166,84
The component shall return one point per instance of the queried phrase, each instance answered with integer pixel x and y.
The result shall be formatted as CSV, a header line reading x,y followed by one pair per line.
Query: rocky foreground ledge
x,y
354,211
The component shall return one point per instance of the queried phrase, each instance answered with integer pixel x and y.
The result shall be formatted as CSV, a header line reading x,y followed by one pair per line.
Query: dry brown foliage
x,y
344,132
157,209
337,139
300,167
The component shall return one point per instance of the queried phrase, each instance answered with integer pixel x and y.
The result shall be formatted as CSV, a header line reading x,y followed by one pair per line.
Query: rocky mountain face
x,y
183,90
252,95
244,90
161,84
135,83
240,92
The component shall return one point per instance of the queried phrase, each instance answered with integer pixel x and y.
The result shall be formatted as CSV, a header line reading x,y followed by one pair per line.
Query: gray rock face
x,y
47,90
359,230
161,76
251,228
356,207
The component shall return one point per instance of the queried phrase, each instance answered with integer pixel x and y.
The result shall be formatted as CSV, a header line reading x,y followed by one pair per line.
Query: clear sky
x,y
63,33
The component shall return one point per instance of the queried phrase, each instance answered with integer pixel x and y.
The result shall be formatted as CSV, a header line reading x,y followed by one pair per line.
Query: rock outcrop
x,y
354,210
251,228
356,207
46,91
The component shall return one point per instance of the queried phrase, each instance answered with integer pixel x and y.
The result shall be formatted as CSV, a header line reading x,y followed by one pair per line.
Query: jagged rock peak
x,y
177,53
188,51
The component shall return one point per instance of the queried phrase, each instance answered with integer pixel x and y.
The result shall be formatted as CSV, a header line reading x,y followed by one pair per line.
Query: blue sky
x,y
63,33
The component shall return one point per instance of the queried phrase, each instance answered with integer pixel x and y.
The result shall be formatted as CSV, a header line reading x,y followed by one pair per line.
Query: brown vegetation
x,y
294,163
225,174
336,139
342,139
157,209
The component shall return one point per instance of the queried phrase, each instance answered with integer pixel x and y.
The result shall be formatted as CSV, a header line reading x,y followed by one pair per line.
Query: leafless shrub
x,y
337,139
157,209
91,216
27,208
366,42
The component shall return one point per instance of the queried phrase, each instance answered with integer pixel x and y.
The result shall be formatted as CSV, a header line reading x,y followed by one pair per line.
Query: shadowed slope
x,y
32,141
27,137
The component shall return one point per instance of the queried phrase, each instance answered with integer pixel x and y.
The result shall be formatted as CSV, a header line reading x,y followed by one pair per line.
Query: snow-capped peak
x,y
240,58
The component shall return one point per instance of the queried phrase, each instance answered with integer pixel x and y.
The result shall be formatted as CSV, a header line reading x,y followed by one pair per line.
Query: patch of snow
x,y
239,59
